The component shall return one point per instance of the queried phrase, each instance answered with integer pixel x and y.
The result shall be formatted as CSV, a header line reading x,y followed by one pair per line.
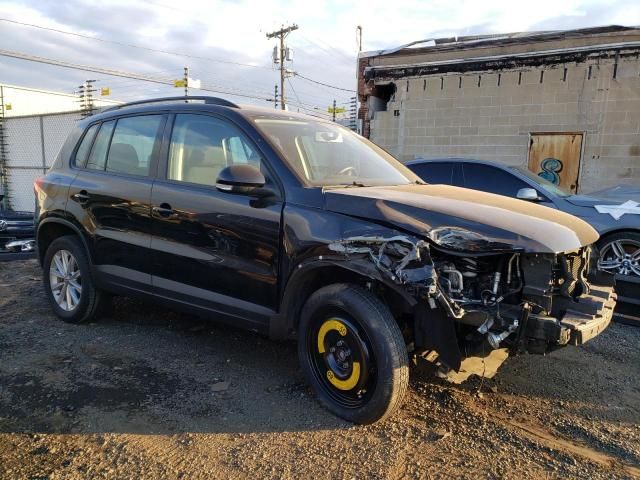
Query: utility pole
x,y
4,172
186,84
86,98
275,96
334,110
353,112
282,34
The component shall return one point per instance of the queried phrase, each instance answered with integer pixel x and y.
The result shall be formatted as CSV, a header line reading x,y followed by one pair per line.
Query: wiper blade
x,y
347,185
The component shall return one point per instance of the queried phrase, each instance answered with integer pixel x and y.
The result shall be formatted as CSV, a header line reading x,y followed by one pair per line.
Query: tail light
x,y
37,185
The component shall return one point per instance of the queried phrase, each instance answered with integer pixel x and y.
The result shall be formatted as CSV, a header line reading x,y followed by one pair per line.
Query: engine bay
x,y
474,303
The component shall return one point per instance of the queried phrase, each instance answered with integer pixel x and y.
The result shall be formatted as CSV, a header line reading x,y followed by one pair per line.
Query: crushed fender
x,y
405,261
408,263
393,255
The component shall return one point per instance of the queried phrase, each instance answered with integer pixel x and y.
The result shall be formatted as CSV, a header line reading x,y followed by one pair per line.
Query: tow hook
x,y
495,339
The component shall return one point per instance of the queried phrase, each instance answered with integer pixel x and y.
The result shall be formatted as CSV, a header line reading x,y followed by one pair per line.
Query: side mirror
x,y
530,194
240,179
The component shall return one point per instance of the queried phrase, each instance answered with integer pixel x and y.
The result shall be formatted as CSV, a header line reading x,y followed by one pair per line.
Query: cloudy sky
x,y
224,42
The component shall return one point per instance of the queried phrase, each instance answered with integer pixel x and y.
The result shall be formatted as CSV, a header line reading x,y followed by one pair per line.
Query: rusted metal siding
x,y
556,157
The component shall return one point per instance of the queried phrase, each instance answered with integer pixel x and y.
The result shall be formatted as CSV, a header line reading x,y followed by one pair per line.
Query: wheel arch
x,y
310,276
51,228
615,231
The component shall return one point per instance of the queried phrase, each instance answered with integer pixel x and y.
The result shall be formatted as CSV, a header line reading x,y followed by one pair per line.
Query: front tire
x,y
353,353
620,254
68,283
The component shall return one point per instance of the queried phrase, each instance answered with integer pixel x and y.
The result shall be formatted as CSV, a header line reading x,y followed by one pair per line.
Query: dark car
x,y
299,228
614,212
16,230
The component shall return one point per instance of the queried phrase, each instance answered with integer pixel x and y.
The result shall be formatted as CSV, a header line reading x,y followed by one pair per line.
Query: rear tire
x,y
353,353
68,283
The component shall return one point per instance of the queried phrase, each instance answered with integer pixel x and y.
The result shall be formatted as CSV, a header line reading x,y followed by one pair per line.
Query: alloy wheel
x,y
621,256
65,280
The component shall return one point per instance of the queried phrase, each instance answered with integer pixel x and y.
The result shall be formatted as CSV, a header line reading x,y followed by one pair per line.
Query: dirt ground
x,y
148,393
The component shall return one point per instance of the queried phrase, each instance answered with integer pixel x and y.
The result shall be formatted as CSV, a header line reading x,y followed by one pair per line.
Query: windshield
x,y
552,188
326,154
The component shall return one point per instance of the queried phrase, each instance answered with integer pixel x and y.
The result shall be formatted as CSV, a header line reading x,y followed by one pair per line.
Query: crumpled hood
x,y
465,220
609,196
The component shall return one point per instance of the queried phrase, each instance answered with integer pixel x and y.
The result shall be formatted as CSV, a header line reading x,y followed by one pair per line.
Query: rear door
x,y
214,250
434,172
111,196
488,178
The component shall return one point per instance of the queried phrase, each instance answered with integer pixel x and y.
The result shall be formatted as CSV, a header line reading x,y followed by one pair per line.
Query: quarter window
x,y
98,155
132,144
202,146
85,145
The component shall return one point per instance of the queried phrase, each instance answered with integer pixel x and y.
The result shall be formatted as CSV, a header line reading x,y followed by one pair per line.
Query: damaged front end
x,y
476,303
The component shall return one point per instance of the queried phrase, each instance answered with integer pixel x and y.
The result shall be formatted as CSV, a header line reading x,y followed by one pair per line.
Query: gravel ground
x,y
148,393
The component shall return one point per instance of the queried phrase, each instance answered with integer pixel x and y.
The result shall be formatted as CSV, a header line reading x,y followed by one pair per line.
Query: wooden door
x,y
556,157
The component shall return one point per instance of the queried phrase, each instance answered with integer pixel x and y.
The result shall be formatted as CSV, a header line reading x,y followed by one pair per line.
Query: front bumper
x,y
21,245
578,322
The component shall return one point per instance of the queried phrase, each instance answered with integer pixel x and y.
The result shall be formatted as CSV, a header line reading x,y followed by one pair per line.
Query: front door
x,y
214,250
556,157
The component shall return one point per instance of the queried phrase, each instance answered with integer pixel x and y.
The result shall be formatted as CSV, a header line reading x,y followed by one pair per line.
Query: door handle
x,y
81,197
164,210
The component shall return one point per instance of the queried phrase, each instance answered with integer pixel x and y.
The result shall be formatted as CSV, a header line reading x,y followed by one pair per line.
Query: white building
x,y
23,101
34,127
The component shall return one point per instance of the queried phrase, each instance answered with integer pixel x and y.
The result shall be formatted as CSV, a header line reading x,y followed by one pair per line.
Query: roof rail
x,y
206,99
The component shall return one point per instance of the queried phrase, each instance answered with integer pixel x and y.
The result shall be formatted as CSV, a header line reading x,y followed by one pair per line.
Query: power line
x,y
293,90
305,106
323,84
241,83
328,49
115,73
313,113
168,52
131,45
315,99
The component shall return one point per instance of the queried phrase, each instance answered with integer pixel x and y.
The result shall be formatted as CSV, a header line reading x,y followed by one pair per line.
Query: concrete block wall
x,y
490,115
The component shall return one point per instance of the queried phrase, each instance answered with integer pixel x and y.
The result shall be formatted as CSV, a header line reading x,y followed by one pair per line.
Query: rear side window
x,y
132,144
434,172
85,145
98,155
492,180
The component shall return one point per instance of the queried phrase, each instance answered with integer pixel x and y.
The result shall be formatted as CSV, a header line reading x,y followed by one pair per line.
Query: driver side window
x,y
201,146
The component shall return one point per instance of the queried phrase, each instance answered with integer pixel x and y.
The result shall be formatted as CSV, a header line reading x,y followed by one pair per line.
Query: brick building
x,y
573,96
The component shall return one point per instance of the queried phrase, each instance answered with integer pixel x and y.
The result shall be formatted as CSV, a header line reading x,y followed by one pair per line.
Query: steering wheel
x,y
351,171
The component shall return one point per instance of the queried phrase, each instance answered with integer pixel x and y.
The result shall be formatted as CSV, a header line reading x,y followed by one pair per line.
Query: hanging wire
x,y
132,45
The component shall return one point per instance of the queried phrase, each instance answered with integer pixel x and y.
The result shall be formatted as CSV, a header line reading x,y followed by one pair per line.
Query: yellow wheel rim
x,y
350,382
338,326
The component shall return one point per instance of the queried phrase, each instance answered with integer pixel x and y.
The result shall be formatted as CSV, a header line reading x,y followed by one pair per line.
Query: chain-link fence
x,y
32,143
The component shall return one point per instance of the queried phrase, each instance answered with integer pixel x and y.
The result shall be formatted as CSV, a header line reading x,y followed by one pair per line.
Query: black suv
x,y
298,228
